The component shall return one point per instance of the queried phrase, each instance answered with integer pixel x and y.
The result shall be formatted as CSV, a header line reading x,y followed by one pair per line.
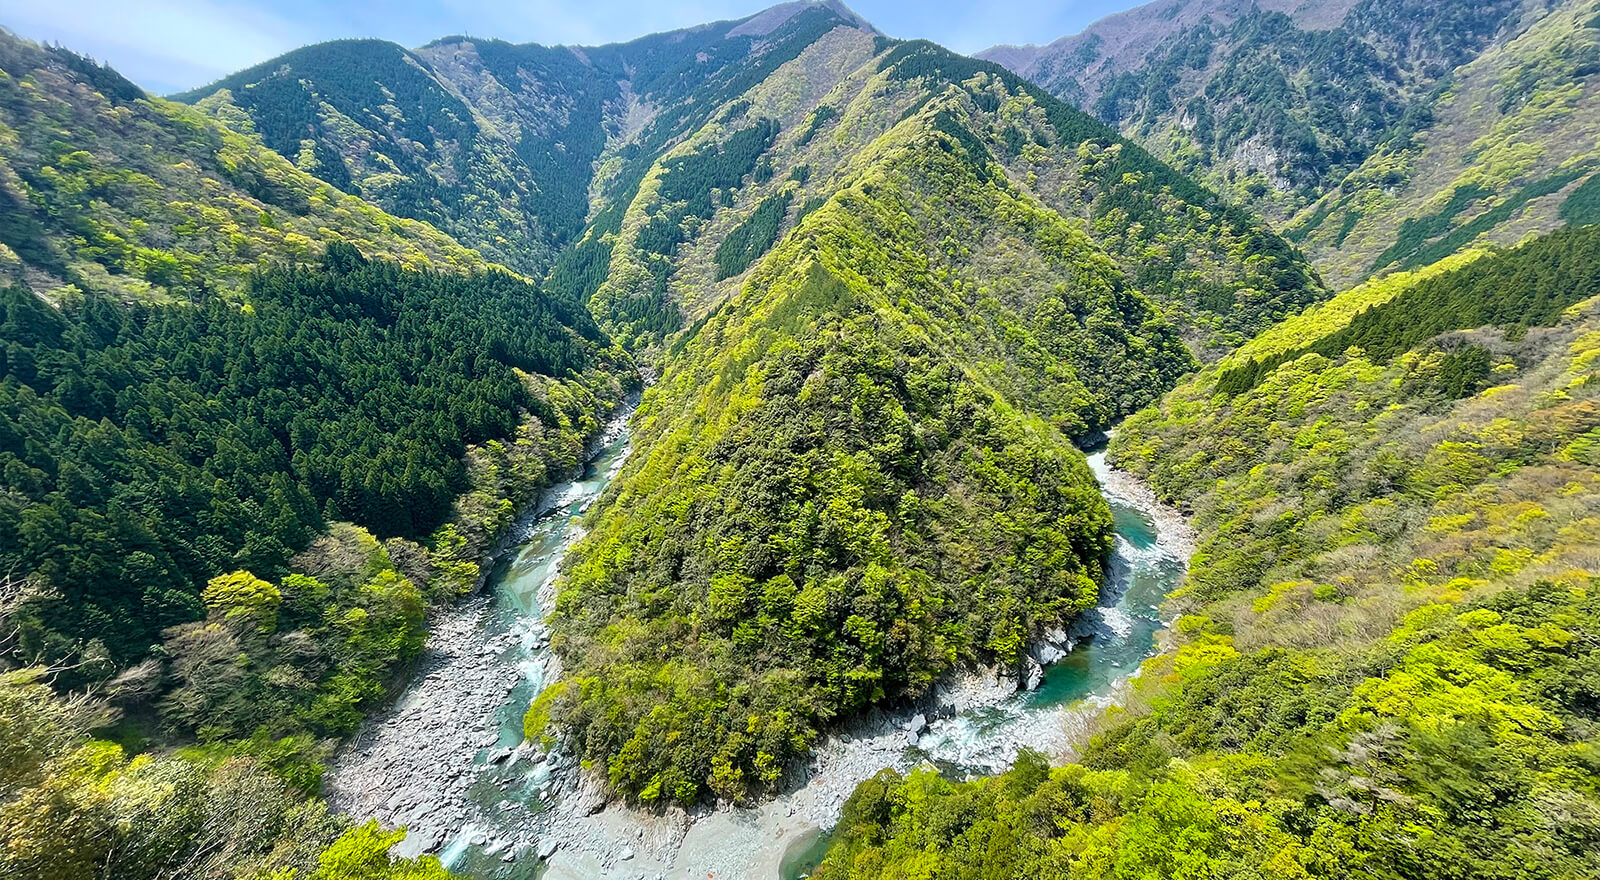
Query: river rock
x,y
548,847
1033,675
1052,646
590,797
917,724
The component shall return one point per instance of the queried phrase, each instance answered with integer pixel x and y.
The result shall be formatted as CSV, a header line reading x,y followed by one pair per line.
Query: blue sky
x,y
171,45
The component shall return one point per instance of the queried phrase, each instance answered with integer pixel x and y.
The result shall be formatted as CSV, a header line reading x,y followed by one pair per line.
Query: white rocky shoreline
x,y
434,761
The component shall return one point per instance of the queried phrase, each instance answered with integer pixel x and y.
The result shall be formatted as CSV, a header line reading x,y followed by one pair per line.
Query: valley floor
x,y
445,761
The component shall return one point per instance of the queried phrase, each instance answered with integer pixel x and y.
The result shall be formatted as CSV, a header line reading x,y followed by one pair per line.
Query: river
x,y
444,760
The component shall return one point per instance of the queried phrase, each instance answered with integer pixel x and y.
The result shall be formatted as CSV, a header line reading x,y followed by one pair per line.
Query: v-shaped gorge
x,y
857,475
883,289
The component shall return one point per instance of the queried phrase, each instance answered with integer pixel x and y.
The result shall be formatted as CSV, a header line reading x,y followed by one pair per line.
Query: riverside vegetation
x,y
284,357
1386,657
845,489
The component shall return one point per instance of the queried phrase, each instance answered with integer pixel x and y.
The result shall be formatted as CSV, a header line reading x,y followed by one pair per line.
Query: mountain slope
x,y
107,190
499,144
1219,275
1385,651
367,117
1272,102
856,474
1385,136
1510,153
657,171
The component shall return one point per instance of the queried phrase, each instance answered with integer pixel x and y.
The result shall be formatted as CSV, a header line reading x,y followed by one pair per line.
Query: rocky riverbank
x,y
975,724
447,763
444,760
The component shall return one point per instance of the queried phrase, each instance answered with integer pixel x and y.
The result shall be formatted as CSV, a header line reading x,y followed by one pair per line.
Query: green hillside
x,y
1270,103
368,118
649,176
149,448
1385,657
1529,287
1510,145
856,474
1382,135
1212,271
510,148
108,191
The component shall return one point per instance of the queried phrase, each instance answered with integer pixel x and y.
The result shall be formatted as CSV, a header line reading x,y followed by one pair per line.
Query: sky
x,y
172,45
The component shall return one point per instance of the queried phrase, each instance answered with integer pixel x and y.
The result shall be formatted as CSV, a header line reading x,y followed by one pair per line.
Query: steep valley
x,y
772,448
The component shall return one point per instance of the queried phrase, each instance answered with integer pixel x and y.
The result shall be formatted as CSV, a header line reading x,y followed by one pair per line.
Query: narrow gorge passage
x,y
444,761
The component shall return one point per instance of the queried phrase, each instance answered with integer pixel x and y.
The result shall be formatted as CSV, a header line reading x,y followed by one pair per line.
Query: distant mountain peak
x,y
774,17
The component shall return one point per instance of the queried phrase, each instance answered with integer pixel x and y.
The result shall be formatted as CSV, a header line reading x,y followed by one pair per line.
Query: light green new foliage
x,y
854,476
688,233
72,807
1318,321
1385,651
112,191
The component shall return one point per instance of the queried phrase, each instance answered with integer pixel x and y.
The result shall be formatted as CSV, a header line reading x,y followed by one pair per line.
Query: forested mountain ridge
x,y
107,190
856,474
370,118
1382,135
660,168
785,146
1384,654
510,148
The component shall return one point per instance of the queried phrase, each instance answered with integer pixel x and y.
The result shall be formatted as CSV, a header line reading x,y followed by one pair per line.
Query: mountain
x,y
500,144
855,473
644,183
282,361
1383,658
108,190
883,287
683,243
1381,135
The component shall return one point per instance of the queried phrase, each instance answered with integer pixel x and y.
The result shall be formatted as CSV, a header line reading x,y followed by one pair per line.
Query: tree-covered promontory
x,y
857,477
1384,657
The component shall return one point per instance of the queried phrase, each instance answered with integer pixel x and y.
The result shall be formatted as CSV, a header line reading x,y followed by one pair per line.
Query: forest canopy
x,y
1386,647
147,449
